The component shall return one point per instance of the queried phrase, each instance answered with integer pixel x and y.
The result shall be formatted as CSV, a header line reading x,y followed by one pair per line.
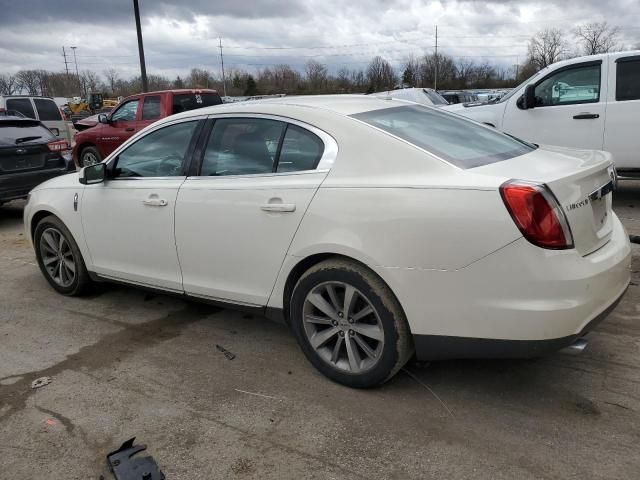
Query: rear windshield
x,y
16,132
22,105
459,141
47,109
190,101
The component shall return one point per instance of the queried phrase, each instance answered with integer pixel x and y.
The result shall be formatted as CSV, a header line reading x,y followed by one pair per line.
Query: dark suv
x,y
29,155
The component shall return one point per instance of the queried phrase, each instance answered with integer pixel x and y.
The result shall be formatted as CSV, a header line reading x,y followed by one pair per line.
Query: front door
x,y
121,126
570,108
129,219
236,220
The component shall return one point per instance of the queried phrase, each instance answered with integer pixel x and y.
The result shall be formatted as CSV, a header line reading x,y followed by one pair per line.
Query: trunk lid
x,y
581,181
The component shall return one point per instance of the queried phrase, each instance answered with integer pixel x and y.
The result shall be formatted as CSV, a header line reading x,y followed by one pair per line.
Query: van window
x,y
22,105
580,84
628,79
47,110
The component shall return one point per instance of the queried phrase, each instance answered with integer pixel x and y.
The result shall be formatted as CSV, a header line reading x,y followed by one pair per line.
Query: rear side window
x,y
461,142
434,97
23,132
151,108
242,146
301,150
47,109
190,101
628,79
22,105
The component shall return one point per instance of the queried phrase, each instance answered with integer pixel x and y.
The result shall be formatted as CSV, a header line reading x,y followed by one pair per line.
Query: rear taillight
x,y
537,214
58,146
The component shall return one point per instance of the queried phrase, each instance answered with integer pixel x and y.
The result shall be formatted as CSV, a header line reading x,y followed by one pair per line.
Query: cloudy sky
x,y
259,33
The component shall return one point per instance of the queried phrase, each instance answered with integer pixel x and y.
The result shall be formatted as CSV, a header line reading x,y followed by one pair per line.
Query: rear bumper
x,y
441,347
18,185
518,301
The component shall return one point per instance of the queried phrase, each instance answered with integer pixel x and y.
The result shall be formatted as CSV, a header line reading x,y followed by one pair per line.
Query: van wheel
x,y
59,257
349,324
89,156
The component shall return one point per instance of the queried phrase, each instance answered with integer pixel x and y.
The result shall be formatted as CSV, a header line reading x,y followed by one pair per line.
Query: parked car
x,y
29,154
374,227
459,96
586,102
39,108
424,96
132,115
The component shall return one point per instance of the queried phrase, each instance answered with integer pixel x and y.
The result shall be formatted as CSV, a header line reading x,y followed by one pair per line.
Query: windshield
x,y
435,98
457,140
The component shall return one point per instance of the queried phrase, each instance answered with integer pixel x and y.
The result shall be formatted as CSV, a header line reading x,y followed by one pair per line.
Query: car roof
x,y
339,104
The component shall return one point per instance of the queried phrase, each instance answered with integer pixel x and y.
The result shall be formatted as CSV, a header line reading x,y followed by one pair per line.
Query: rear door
x,y
122,125
236,219
623,111
570,108
150,112
49,114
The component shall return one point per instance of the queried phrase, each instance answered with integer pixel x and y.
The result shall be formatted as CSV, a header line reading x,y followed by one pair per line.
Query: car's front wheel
x,y
59,257
349,324
89,156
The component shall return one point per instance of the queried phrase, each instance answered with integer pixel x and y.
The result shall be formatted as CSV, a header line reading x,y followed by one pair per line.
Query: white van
x,y
588,102
40,108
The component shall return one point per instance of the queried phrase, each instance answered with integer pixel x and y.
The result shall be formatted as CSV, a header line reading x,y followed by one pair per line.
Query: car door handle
x,y
585,116
278,207
155,202
131,129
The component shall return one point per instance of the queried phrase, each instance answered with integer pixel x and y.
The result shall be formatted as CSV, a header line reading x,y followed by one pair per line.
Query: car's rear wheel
x,y
349,324
89,156
59,258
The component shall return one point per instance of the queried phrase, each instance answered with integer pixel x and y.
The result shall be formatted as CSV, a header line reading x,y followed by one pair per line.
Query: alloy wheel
x,y
343,327
57,257
88,159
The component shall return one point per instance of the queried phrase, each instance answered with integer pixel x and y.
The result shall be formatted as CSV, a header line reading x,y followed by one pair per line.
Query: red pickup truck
x,y
132,115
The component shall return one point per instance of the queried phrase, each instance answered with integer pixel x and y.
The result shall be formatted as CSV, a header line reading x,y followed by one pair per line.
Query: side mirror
x,y
93,174
102,118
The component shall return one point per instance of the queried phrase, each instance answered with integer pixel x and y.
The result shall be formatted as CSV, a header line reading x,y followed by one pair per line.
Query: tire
x,y
89,156
65,280
365,347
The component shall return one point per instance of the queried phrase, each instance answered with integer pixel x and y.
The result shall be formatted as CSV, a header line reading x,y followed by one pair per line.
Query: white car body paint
x,y
614,130
438,235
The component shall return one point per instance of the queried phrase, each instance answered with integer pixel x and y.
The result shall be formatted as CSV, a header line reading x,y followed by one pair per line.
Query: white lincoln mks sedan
x,y
375,228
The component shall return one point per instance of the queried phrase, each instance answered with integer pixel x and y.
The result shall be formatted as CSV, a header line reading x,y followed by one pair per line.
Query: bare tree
x,y
8,84
411,72
597,37
111,74
29,82
316,75
441,63
380,75
547,47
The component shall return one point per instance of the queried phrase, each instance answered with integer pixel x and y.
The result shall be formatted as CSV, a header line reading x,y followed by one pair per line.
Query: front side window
x,y
158,154
242,146
126,113
628,79
565,87
459,141
151,107
47,109
22,105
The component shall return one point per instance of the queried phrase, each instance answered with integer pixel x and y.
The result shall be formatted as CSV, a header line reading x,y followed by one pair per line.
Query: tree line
x,y
544,48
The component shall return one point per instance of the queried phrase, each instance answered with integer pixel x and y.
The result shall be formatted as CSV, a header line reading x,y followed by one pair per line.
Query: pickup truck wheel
x,y
89,156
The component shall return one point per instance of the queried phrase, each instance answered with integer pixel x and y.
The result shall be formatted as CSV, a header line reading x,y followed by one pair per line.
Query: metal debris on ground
x,y
40,382
125,467
226,352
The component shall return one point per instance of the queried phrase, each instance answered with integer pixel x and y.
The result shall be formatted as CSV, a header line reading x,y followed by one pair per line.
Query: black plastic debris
x,y
125,467
634,238
226,352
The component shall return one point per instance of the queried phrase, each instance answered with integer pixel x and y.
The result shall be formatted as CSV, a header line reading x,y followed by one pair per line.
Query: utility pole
x,y
224,84
75,60
143,68
66,65
435,81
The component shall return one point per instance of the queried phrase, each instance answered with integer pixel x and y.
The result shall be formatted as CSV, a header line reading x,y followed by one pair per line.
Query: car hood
x,y
70,180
